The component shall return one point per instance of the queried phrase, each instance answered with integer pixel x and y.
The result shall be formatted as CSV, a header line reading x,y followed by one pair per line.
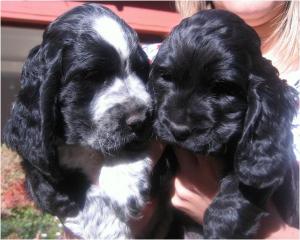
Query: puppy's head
x,y
103,99
85,82
213,88
200,79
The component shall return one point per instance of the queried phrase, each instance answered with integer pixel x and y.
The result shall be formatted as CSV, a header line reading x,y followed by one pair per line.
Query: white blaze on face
x,y
137,89
111,31
119,92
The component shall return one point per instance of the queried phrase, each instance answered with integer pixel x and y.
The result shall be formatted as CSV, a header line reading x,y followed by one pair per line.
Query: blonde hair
x,y
188,8
286,46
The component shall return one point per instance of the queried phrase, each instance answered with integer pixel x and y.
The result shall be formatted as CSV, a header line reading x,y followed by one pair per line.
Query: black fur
x,y
59,79
215,94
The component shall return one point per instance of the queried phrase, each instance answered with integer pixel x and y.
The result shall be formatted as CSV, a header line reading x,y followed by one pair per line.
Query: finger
x,y
180,197
156,150
188,202
180,190
196,181
177,202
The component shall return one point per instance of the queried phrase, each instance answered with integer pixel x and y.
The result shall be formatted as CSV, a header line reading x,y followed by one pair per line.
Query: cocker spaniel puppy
x,y
82,104
216,95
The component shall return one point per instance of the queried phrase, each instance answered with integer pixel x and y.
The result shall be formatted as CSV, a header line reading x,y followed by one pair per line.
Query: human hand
x,y
195,184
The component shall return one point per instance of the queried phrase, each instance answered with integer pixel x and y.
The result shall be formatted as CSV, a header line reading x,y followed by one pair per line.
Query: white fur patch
x,y
120,181
103,101
119,92
97,220
111,31
137,88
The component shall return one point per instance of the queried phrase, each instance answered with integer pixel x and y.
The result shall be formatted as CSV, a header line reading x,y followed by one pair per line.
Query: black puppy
x,y
215,94
82,104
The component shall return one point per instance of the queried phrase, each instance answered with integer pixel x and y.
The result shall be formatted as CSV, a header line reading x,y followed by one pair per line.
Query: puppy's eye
x,y
167,76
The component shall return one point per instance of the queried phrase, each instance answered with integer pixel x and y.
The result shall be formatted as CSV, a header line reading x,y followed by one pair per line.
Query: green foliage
x,y
28,223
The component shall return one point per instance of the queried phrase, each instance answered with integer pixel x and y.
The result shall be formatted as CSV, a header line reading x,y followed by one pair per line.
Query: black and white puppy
x,y
82,104
216,95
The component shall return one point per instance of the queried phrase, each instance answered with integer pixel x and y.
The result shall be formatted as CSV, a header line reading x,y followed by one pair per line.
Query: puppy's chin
x,y
111,144
118,142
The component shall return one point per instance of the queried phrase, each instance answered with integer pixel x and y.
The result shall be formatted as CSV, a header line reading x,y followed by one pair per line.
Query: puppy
x,y
82,104
215,94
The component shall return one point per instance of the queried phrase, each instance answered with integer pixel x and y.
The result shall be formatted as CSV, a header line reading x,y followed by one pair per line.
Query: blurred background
x,y
22,26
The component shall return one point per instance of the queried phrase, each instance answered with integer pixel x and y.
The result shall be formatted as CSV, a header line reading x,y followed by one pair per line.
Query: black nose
x,y
180,132
136,122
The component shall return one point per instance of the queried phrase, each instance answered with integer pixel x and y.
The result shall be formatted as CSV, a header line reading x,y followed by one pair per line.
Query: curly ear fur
x,y
266,146
31,131
264,158
231,214
265,163
286,197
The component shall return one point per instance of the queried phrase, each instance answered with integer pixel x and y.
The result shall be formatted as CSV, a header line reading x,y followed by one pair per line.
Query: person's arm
x,y
195,186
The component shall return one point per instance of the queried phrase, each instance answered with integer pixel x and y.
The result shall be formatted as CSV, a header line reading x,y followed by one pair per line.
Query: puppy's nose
x,y
180,132
136,121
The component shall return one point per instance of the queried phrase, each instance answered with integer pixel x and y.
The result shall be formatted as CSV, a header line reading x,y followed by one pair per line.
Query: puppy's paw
x,y
231,215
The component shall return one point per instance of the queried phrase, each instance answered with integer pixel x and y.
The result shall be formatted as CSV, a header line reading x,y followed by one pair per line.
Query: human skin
x,y
255,13
195,184
261,15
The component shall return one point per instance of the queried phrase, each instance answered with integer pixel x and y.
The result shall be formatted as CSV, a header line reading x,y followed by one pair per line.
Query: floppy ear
x,y
31,129
286,197
265,149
